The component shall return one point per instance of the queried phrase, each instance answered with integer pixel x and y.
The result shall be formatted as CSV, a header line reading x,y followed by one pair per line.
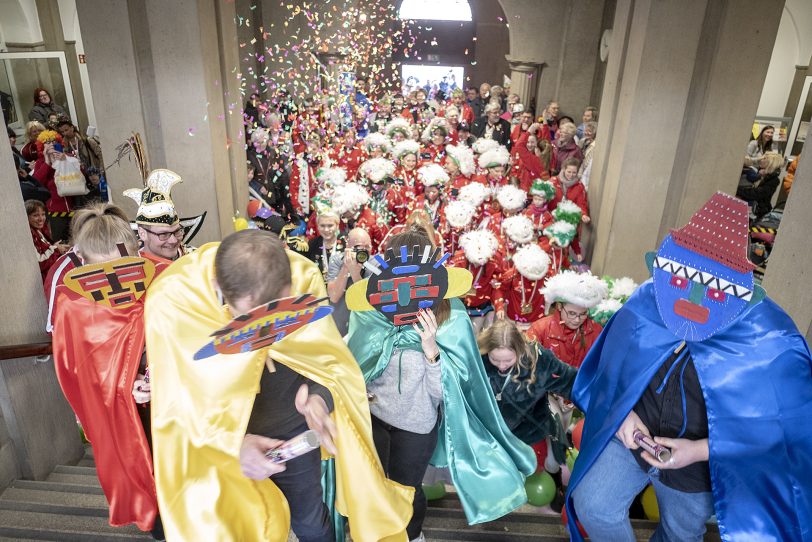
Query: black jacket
x,y
760,194
501,130
525,410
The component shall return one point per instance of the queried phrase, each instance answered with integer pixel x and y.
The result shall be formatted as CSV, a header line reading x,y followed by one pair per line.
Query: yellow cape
x,y
200,412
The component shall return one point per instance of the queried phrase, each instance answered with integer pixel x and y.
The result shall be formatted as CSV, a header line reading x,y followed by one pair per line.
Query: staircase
x,y
69,506
445,522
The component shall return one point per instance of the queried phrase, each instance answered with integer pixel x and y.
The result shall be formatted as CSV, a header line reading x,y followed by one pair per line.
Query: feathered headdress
x,y
479,246
437,123
519,229
405,147
621,289
349,198
459,213
474,193
511,198
581,289
376,170
432,175
463,157
483,145
546,189
499,156
568,212
377,139
531,262
398,125
561,232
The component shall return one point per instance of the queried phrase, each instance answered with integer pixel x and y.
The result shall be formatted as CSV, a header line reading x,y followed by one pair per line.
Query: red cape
x,y
97,351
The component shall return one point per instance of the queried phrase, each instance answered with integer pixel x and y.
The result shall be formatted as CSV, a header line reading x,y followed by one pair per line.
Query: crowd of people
x,y
411,287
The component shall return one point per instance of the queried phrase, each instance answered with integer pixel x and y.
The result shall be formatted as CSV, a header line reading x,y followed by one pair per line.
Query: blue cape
x,y
756,378
488,464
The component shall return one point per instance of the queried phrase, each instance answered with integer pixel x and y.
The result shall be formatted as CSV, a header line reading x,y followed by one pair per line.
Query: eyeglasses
x,y
575,315
178,233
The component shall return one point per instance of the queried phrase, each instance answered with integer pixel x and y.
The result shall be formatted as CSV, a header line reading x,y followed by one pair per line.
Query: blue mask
x,y
702,278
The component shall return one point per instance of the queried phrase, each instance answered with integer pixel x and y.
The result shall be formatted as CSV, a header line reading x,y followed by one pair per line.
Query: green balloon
x,y
540,489
434,491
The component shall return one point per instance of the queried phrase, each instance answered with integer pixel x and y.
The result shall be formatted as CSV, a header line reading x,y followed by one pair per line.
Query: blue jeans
x,y
603,497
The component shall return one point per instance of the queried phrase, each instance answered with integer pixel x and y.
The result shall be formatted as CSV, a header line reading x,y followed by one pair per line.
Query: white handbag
x,y
68,177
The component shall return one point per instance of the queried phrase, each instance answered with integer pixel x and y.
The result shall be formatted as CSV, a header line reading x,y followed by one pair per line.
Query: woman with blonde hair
x,y
759,194
98,346
418,219
521,374
32,130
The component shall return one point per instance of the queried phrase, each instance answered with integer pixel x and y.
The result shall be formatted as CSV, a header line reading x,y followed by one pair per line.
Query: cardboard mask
x,y
265,325
702,278
117,284
402,283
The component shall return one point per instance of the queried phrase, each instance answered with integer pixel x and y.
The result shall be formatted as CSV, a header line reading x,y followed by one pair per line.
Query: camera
x,y
361,255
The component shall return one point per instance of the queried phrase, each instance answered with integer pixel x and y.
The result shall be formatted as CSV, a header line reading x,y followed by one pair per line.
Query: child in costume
x,y
540,209
432,179
511,200
517,232
555,241
377,145
521,374
399,129
568,331
417,350
351,202
459,164
458,219
98,342
524,300
435,137
568,187
482,256
700,360
406,153
211,476
347,154
386,199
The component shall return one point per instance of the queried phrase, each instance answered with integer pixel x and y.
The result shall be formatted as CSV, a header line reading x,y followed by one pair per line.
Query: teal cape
x,y
488,464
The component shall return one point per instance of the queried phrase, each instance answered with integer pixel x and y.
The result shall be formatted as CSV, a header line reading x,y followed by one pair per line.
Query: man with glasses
x,y
159,227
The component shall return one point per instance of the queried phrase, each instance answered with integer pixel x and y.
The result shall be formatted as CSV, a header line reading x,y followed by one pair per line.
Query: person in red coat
x,y
533,158
568,330
350,201
511,201
406,153
540,209
568,187
466,113
347,154
459,164
458,219
431,200
480,253
386,198
521,127
47,251
524,300
435,137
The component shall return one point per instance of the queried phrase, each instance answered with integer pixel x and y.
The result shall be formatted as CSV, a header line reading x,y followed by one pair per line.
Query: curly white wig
x,y
511,198
377,169
519,229
581,289
479,246
432,175
531,262
459,214
474,193
463,156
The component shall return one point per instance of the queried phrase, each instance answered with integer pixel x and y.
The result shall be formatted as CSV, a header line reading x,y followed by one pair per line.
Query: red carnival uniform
x,y
524,302
568,345
487,284
348,158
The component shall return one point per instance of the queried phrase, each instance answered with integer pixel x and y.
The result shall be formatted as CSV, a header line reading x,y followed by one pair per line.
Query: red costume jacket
x,y
432,153
409,180
47,253
487,285
524,301
302,127
436,210
527,166
568,345
391,205
45,175
350,159
458,182
576,194
368,220
540,216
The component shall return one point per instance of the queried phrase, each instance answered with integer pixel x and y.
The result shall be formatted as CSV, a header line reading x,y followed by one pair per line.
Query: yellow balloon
x,y
240,224
650,506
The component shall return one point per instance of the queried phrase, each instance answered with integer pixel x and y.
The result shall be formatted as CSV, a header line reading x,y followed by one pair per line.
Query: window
x,y
436,10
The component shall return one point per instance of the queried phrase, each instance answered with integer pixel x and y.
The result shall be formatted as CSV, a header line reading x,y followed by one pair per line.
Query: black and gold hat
x,y
155,205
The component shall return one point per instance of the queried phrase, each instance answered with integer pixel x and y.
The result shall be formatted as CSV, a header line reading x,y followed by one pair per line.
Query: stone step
x,y
55,502
58,486
76,479
68,528
78,469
